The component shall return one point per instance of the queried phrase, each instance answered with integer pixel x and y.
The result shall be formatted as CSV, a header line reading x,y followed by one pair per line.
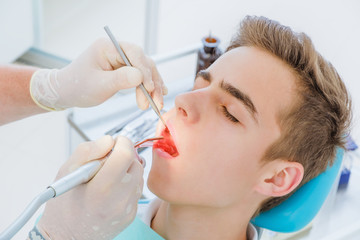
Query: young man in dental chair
x,y
264,119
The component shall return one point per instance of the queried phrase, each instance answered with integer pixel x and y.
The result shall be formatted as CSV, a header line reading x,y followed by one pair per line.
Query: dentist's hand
x,y
104,206
96,75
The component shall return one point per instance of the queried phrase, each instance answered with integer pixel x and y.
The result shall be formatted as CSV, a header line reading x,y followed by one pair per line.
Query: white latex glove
x,y
103,207
96,75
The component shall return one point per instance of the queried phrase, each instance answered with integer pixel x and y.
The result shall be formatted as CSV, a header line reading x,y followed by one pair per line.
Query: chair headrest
x,y
301,207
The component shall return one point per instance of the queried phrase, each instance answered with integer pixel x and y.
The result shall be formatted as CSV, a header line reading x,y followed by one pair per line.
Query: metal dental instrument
x,y
149,140
127,62
81,175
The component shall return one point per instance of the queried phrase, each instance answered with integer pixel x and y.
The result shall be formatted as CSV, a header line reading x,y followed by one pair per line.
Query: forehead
x,y
268,81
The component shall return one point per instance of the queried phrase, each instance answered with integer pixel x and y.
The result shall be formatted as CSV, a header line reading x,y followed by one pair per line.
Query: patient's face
x,y
221,130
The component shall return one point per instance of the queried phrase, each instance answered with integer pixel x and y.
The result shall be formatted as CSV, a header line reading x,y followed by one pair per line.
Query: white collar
x,y
149,212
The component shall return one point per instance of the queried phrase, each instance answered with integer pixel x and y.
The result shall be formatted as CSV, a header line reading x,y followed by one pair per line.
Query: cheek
x,y
206,175
231,178
229,170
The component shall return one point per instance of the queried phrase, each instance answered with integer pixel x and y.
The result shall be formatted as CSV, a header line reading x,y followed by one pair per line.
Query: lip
x,y
162,153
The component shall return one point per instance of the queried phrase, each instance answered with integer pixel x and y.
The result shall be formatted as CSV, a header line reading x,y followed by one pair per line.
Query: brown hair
x,y
316,124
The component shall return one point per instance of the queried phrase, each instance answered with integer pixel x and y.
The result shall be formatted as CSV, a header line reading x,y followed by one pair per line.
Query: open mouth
x,y
167,143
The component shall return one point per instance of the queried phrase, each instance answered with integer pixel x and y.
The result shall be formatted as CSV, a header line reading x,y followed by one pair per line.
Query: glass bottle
x,y
208,53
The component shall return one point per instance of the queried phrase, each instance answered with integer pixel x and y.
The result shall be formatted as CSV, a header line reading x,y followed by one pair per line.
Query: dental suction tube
x,y
81,175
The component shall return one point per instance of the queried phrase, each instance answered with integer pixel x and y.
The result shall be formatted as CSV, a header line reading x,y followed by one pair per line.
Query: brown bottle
x,y
208,53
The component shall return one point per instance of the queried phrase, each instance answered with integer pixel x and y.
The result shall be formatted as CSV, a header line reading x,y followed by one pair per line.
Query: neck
x,y
175,222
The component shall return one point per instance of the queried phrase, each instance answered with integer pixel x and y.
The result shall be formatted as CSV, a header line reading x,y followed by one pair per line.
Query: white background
x,y
16,28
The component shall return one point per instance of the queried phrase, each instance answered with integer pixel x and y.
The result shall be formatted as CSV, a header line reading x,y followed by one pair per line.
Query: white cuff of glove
x,y
43,85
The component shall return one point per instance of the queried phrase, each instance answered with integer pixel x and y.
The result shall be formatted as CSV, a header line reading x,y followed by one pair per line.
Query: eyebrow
x,y
204,74
233,91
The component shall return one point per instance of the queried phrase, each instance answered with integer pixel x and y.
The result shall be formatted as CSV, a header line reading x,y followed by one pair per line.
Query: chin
x,y
161,185
156,186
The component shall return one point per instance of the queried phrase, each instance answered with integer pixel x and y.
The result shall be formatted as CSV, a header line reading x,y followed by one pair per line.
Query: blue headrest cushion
x,y
300,208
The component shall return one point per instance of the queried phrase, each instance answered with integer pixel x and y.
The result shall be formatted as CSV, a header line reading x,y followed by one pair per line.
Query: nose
x,y
191,105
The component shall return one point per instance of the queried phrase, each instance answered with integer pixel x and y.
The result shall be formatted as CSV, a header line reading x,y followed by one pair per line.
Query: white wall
x,y
16,29
70,26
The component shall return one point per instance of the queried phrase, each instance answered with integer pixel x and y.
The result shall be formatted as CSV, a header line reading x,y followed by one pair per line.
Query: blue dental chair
x,y
300,208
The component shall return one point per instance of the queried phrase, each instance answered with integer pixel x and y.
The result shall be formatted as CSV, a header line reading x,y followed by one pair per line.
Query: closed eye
x,y
228,115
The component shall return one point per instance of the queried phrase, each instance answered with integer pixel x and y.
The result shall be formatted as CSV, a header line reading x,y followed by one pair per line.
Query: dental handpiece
x,y
81,175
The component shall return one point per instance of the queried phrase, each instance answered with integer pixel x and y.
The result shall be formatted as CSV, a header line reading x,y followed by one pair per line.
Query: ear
x,y
280,178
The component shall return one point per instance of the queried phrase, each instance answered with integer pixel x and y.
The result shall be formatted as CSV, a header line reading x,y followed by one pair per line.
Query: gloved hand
x,y
103,207
96,75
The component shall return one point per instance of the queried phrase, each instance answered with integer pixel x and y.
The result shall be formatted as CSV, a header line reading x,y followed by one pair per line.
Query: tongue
x,y
167,144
